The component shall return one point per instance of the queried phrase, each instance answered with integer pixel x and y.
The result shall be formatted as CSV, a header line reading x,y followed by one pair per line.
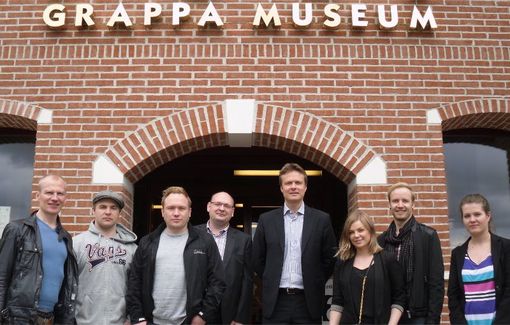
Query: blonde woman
x,y
368,284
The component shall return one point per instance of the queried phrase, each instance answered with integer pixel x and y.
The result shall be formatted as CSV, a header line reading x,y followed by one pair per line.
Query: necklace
x,y
360,316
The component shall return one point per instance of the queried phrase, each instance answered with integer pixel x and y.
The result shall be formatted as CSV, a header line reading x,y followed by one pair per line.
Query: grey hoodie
x,y
103,265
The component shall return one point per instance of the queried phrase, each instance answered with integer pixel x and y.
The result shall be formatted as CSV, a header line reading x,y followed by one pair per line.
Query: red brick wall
x,y
108,88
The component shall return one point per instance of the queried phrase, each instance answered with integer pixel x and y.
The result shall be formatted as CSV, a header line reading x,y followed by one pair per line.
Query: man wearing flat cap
x,y
104,254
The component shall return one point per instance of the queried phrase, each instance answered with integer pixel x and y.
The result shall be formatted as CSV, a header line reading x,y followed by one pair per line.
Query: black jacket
x,y
237,264
500,251
318,247
203,271
21,274
427,286
389,288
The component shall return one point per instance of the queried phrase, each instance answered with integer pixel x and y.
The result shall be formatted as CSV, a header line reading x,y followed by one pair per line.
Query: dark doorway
x,y
208,171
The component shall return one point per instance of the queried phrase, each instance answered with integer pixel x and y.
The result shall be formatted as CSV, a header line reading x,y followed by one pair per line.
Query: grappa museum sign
x,y
387,16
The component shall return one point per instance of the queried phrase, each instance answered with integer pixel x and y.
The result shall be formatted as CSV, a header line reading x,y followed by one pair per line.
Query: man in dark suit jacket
x,y
293,254
235,250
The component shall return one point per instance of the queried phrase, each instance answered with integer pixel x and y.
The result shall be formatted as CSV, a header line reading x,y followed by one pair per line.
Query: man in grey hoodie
x,y
104,255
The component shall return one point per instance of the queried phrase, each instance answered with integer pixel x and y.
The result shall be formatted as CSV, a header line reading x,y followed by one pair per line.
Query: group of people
x,y
397,277
184,274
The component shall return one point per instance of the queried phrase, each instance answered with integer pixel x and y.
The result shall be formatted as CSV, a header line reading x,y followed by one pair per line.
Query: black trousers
x,y
291,309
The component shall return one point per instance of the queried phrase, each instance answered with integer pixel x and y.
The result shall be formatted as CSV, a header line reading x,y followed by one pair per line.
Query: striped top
x,y
480,291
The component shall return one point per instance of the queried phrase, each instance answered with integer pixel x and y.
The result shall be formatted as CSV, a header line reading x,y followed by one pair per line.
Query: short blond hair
x,y
174,190
292,167
50,178
401,185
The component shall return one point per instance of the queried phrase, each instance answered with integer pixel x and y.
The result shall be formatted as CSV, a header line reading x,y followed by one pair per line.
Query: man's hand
x,y
197,320
141,323
235,323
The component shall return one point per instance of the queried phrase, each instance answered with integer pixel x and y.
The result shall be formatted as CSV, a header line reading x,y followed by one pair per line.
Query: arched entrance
x,y
208,171
17,161
476,136
18,126
240,124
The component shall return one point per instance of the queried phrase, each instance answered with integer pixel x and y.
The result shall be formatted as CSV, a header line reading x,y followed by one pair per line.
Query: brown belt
x,y
44,318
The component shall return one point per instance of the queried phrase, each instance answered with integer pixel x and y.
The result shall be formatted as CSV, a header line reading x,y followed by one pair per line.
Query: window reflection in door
x,y
477,161
16,172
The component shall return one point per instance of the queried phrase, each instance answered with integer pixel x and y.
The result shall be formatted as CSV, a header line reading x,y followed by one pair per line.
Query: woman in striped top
x,y
479,285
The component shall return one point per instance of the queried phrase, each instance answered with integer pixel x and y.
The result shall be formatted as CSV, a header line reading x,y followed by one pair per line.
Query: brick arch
x,y
20,115
167,138
170,137
311,137
492,113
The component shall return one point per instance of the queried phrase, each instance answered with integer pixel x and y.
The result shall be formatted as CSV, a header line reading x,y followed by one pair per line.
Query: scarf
x,y
404,241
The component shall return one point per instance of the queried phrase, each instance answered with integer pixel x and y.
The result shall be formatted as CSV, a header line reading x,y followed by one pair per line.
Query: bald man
x,y
235,251
38,273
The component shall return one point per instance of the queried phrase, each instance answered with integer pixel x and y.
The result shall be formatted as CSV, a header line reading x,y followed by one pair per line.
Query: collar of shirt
x,y
300,211
221,233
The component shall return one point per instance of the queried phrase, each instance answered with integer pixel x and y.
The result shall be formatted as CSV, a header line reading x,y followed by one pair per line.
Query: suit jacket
x,y
237,264
318,247
500,251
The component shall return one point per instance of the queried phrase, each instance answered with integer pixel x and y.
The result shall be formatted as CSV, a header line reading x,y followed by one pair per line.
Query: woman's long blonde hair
x,y
345,249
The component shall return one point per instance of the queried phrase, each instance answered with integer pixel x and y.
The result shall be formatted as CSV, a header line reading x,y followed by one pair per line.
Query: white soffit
x,y
104,171
373,173
45,116
433,116
239,121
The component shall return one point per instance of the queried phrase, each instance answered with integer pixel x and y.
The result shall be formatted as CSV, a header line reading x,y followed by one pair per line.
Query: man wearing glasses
x,y
235,251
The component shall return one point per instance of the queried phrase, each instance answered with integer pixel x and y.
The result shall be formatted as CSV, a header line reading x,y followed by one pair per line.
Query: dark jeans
x,y
291,309
412,321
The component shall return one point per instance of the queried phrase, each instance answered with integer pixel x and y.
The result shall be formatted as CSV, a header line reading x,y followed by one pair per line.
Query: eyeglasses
x,y
224,205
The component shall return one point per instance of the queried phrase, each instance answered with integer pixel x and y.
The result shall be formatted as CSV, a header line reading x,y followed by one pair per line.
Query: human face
x,y
221,208
293,187
359,235
475,219
176,213
401,204
51,196
106,214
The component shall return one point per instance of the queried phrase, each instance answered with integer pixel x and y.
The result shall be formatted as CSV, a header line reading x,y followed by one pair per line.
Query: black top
x,y
385,284
368,300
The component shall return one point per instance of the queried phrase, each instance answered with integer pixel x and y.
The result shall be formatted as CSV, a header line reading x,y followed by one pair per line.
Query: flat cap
x,y
115,197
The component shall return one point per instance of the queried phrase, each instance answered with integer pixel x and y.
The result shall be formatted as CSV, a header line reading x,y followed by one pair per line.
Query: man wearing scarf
x,y
418,249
